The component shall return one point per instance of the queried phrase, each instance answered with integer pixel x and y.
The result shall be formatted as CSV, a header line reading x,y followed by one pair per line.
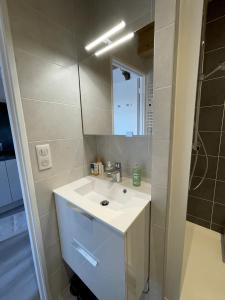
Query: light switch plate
x,y
44,157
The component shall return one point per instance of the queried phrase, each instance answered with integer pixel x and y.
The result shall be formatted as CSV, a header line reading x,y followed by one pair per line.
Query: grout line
x,y
47,60
55,140
209,178
220,180
210,131
213,105
199,198
50,102
216,49
163,87
203,155
214,78
199,218
216,19
217,168
203,220
165,26
215,202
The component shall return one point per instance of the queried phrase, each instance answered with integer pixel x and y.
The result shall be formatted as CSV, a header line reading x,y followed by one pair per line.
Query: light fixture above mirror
x,y
112,45
103,38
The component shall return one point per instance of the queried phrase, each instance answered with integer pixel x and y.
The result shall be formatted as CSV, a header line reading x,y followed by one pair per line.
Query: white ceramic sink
x,y
124,202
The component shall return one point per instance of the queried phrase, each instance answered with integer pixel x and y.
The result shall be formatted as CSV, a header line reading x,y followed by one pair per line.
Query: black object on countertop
x,y
80,290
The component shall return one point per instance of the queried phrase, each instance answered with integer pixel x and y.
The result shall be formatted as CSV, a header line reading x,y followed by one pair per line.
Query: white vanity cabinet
x,y
112,264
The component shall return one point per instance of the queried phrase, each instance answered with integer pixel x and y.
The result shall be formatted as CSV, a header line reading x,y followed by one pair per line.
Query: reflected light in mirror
x,y
105,36
115,44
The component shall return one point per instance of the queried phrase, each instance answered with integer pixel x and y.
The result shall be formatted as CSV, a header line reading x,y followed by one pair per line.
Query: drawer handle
x,y
80,211
84,253
87,256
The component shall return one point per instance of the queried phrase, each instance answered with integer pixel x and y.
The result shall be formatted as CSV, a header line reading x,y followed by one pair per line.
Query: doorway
x,y
17,272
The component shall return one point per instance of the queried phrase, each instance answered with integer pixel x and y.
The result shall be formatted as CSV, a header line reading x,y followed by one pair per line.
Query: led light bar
x,y
105,36
115,44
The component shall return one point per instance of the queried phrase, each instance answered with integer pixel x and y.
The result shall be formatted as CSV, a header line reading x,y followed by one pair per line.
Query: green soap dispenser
x,y
136,176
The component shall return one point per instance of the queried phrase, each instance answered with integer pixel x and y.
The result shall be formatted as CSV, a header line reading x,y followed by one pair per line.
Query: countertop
x,y
120,214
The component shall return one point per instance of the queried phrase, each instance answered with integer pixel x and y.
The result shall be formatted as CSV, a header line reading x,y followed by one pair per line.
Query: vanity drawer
x,y
103,269
94,251
90,232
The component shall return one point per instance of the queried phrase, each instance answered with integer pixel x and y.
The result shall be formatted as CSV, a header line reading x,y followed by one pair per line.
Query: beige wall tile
x,y
165,16
48,121
53,257
77,172
35,33
164,13
157,263
44,194
47,81
59,280
163,59
49,228
158,206
160,162
162,112
90,149
97,120
58,11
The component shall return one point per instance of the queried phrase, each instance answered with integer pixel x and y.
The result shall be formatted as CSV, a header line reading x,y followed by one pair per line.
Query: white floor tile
x,y
204,274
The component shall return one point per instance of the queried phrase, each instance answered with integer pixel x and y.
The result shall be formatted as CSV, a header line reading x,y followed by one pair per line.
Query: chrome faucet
x,y
114,171
117,174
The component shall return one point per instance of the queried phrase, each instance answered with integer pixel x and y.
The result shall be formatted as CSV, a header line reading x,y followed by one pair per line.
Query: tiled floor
x,y
204,271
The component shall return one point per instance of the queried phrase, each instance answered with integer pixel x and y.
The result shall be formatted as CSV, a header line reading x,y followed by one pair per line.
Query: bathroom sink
x,y
116,204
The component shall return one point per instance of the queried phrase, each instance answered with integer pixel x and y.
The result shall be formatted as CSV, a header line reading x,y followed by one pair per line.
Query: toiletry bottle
x,y
109,168
96,170
136,174
92,166
100,167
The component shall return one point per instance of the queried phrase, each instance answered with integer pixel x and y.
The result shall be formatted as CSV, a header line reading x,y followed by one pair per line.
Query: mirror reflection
x,y
116,77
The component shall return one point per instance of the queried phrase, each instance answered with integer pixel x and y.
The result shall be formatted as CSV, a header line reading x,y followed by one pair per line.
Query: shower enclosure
x,y
206,203
203,267
17,274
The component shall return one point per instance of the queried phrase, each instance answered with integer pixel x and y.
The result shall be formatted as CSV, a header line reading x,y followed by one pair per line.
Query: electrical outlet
x,y
44,157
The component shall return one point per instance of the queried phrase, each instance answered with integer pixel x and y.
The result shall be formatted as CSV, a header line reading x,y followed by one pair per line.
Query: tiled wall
x,y
45,51
206,205
165,16
129,151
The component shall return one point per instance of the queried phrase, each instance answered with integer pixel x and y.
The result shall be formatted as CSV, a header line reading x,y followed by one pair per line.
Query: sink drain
x,y
104,202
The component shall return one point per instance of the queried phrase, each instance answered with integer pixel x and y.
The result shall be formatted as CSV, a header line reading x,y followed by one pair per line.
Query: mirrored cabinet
x,y
116,78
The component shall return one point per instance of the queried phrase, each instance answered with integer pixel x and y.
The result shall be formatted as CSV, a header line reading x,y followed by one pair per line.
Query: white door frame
x,y
14,104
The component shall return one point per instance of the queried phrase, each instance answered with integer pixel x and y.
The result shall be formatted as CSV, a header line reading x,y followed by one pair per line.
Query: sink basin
x,y
124,202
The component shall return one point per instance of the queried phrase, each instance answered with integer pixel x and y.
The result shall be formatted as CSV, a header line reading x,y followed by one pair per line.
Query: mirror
x,y
117,85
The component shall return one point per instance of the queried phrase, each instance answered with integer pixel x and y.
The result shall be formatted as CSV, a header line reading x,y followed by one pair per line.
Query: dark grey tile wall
x,y
206,204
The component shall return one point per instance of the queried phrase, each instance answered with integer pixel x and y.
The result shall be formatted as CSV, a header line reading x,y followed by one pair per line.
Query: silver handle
x,y
83,252
82,212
